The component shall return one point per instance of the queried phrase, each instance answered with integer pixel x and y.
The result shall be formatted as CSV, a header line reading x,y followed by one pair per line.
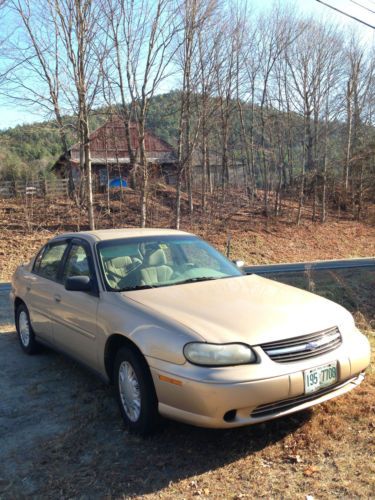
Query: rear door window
x,y
49,264
38,259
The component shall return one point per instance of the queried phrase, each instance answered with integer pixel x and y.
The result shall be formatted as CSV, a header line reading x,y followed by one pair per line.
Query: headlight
x,y
201,353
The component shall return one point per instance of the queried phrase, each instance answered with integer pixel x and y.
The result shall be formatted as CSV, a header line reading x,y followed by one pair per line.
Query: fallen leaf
x,y
295,459
311,470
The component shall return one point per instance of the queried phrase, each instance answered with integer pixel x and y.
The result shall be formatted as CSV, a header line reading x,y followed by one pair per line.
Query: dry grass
x,y
255,239
326,452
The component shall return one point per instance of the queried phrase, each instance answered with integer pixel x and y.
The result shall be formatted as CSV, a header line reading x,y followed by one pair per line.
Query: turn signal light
x,y
174,381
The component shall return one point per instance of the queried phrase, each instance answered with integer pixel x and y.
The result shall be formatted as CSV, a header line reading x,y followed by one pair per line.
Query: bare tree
x,y
207,40
225,72
5,67
142,32
310,66
279,31
359,93
84,40
35,79
280,93
194,15
116,76
248,64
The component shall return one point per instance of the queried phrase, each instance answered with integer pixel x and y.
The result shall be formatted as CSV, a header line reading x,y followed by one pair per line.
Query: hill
x,y
276,151
37,146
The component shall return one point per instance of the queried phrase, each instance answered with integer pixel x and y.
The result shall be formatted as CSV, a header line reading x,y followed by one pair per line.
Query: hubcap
x,y
24,327
129,391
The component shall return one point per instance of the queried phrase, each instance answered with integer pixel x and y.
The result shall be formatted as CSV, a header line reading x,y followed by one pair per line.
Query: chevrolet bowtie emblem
x,y
311,346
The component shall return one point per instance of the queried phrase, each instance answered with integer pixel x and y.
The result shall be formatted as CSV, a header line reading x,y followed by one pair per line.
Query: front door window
x,y
77,263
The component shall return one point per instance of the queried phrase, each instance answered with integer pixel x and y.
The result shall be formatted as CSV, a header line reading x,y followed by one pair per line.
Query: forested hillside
x,y
30,150
33,148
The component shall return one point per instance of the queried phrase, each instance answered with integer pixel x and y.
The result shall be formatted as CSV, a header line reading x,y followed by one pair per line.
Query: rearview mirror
x,y
238,263
78,284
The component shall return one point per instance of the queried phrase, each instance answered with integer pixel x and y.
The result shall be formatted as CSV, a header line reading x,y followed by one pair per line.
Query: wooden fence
x,y
52,188
6,189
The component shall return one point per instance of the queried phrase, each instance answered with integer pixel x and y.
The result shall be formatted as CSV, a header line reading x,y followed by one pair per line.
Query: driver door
x,y
75,313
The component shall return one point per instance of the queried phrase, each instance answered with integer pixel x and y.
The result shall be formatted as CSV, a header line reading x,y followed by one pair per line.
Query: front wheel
x,y
25,332
135,392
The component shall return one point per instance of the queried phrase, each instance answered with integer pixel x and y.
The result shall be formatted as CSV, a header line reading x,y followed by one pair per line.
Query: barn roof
x,y
109,143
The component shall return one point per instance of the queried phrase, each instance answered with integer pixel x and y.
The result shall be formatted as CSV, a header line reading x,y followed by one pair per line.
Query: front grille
x,y
304,347
286,404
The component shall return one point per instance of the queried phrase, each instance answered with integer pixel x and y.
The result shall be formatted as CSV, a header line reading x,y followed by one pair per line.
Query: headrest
x,y
121,261
119,250
156,258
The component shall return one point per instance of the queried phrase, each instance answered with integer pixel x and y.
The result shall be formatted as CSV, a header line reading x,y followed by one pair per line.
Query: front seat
x,y
155,270
119,265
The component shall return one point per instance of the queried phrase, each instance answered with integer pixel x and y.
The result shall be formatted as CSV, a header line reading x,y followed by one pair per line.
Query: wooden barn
x,y
110,155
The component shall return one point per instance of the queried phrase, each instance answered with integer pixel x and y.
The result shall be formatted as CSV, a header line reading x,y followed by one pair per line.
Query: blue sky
x,y
14,114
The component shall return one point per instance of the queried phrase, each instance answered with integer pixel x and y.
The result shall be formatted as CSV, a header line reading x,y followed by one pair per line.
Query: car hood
x,y
248,309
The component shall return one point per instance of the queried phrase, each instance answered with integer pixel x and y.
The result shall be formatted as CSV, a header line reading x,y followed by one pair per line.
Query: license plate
x,y
320,377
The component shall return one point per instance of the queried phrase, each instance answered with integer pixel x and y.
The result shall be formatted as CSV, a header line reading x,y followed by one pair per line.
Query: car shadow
x,y
94,455
130,465
180,451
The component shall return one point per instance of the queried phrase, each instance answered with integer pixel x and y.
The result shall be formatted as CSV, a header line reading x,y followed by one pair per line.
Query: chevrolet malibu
x,y
181,332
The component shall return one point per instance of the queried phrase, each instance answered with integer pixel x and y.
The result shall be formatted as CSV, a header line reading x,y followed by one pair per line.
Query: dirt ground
x,y
62,437
61,434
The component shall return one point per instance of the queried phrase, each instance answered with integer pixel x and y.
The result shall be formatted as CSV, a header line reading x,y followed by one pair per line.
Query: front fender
x,y
155,335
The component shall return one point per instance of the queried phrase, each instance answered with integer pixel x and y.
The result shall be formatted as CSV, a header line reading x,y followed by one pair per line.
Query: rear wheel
x,y
135,392
25,332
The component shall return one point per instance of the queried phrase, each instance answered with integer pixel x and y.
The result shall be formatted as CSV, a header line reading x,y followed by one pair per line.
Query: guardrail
x,y
310,266
285,268
271,269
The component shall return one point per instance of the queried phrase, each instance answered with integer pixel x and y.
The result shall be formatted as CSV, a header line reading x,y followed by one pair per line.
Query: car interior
x,y
149,268
155,263
129,265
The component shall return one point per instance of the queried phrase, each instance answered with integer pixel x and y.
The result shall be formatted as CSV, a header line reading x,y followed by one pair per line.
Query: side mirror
x,y
78,284
238,263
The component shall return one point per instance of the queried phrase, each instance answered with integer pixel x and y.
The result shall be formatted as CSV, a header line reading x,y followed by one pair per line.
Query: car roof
x,y
114,234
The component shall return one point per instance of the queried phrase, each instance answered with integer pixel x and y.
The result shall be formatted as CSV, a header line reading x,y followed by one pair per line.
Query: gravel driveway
x,y
61,436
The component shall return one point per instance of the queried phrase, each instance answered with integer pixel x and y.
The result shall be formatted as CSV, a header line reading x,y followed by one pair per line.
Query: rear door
x,y
74,313
42,285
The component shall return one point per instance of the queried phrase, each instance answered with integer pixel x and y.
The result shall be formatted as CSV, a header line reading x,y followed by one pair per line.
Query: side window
x,y
77,263
37,260
50,261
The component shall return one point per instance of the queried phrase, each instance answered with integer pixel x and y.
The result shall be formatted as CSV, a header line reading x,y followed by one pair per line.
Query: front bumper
x,y
220,404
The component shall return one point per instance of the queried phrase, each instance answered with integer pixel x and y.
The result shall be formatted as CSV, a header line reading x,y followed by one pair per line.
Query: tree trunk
x,y
144,168
90,199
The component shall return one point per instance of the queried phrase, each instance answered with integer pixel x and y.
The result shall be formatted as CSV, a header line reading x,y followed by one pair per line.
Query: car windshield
x,y
148,262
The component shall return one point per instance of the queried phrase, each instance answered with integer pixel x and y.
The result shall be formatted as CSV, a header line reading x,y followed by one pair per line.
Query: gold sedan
x,y
181,332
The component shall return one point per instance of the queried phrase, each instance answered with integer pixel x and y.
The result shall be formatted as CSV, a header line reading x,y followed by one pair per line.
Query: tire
x,y
135,392
26,335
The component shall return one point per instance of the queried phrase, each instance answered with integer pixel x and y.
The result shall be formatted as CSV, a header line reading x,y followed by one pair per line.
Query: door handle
x,y
57,298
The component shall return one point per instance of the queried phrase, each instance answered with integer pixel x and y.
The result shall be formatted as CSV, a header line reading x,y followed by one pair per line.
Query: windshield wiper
x,y
136,287
195,280
189,280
